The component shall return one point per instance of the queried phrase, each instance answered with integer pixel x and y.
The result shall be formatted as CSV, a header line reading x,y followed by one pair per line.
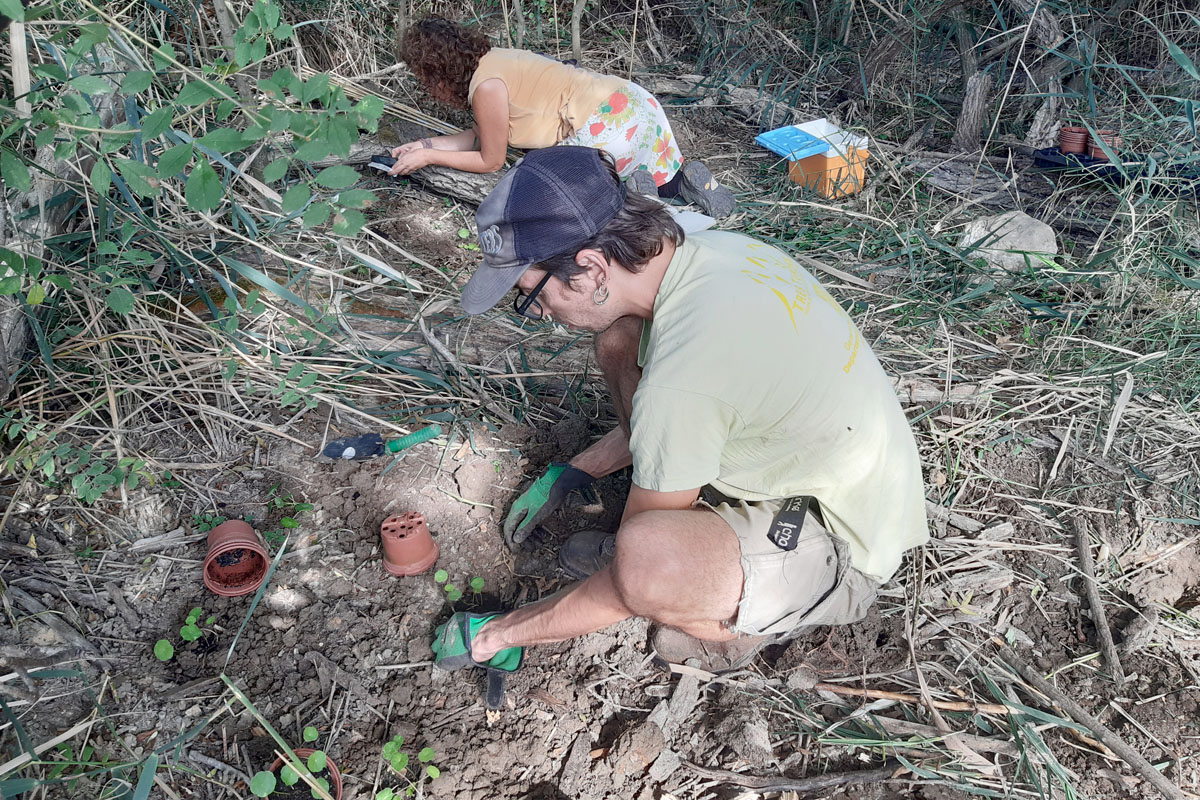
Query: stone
x,y
635,750
1009,240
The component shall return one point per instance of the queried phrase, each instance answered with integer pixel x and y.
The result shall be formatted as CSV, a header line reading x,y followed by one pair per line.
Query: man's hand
x,y
541,499
452,645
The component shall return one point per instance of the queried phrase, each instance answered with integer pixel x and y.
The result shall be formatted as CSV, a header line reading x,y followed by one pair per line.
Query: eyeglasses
x,y
527,305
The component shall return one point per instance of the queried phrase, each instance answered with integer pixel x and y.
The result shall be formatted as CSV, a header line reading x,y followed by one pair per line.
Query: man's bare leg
x,y
678,568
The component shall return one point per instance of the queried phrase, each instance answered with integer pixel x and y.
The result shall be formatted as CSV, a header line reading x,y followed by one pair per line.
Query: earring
x,y
600,296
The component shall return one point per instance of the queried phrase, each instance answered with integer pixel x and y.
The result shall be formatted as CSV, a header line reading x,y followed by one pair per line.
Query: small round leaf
x,y
441,576
288,775
262,784
433,772
311,734
316,761
426,755
163,650
477,584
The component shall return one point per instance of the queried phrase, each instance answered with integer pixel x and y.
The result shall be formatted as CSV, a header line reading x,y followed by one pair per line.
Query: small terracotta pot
x,y
335,777
237,559
408,547
1072,139
1110,138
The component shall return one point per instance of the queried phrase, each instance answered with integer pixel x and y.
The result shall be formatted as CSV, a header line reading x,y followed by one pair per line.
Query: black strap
x,y
785,529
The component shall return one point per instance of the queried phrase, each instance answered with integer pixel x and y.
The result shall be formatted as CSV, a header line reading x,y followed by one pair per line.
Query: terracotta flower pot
x,y
1110,138
408,547
1073,139
237,559
335,777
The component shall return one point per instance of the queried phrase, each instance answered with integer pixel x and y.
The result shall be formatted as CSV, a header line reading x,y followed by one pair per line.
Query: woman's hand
x,y
410,157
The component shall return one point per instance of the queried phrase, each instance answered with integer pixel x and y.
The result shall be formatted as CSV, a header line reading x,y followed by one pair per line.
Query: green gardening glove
x,y
452,645
543,498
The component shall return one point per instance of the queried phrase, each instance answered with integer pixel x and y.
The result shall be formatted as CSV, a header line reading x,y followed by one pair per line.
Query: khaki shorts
x,y
784,591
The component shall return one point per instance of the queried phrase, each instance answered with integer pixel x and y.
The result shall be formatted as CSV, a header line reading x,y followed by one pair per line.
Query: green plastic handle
x,y
416,437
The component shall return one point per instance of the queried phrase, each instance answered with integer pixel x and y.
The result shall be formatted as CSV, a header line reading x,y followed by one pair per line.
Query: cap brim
x,y
488,285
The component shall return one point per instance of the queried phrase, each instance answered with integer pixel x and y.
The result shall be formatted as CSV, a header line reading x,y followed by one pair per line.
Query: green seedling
x,y
204,523
191,630
399,764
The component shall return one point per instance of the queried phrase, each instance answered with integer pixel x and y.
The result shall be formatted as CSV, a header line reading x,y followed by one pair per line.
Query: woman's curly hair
x,y
443,55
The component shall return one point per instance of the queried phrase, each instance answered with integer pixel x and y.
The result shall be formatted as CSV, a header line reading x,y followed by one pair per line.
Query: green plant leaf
x,y
283,32
316,761
356,198
189,633
156,122
101,177
120,300
295,198
288,522
349,222
225,140
34,297
269,16
203,189
386,793
14,11
426,755
13,171
275,170
163,650
400,762
195,93
338,177
310,733
453,595
477,584
441,576
314,87
324,784
433,772
314,150
138,81
142,178
317,214
91,84
288,775
172,161
262,784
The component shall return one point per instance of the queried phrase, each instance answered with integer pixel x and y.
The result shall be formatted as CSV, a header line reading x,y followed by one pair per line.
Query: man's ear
x,y
596,265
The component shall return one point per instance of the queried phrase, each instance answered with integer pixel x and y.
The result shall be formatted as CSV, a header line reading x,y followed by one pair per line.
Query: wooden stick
x,y
830,781
1108,648
1107,737
941,705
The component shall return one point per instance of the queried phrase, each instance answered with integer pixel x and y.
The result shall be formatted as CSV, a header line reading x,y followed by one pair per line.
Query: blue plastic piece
x,y
792,143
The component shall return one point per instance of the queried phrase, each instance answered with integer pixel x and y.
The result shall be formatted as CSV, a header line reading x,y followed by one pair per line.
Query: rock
x,y
803,678
744,728
635,750
664,766
475,479
576,766
1009,240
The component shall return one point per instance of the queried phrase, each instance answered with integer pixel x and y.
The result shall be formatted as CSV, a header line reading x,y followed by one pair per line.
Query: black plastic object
x,y
1054,159
495,689
355,448
382,162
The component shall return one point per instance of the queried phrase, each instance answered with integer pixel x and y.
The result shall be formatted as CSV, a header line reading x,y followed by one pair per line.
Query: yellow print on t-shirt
x,y
795,289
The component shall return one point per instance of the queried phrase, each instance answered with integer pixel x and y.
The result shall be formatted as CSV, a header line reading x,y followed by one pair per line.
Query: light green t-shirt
x,y
757,382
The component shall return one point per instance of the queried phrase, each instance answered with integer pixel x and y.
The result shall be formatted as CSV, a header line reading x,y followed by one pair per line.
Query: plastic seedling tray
x,y
796,142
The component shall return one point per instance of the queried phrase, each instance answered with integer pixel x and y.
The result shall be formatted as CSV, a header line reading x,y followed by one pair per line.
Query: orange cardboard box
x,y
832,174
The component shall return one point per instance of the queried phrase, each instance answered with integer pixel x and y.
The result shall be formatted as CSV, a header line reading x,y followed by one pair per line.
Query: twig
x,y
830,781
1108,647
212,763
1107,737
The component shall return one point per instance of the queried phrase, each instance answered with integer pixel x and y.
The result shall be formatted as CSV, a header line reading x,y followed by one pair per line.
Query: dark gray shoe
x,y
642,182
587,552
700,187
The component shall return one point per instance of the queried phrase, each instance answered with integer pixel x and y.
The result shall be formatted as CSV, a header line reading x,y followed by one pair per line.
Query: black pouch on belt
x,y
785,529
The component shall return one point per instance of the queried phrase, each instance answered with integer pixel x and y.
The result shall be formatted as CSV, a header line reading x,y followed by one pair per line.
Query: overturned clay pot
x,y
408,547
237,559
335,776
1073,139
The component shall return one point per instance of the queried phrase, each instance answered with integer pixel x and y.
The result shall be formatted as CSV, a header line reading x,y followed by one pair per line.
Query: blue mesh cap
x,y
551,201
